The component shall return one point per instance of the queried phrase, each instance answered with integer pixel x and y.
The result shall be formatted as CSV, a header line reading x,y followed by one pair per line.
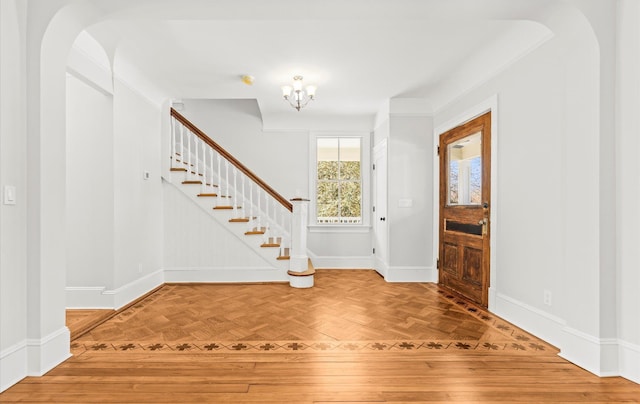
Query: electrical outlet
x,y
546,299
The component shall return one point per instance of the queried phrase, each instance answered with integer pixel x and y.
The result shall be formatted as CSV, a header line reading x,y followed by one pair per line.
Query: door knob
x,y
382,219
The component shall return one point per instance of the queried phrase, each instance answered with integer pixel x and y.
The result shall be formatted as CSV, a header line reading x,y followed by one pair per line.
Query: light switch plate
x,y
9,195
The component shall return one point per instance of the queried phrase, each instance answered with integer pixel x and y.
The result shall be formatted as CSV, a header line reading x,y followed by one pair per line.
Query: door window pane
x,y
465,171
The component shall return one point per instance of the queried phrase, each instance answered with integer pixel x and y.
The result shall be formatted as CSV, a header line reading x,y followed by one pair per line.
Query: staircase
x,y
239,200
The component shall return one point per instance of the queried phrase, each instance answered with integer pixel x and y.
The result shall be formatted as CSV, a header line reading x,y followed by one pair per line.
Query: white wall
x,y
628,187
90,164
114,216
410,177
407,125
341,248
137,202
13,276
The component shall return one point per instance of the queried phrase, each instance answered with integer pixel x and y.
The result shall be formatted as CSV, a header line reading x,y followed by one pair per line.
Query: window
x,y
339,187
465,170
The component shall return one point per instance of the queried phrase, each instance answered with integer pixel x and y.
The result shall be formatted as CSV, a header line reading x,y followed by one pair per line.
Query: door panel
x,y
380,239
472,267
450,258
465,202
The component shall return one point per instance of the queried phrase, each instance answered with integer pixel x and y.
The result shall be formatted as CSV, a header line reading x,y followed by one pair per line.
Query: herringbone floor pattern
x,y
345,310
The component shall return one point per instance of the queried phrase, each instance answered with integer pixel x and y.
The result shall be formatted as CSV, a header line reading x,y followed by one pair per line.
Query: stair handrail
x,y
229,157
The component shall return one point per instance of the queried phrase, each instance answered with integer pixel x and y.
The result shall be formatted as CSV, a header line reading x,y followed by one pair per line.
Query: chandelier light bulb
x,y
311,91
286,91
297,83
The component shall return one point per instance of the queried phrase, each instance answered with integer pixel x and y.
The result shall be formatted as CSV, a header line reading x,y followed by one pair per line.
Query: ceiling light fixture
x,y
247,79
298,98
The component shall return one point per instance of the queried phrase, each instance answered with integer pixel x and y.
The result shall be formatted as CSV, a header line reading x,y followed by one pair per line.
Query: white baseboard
x,y
601,356
411,274
332,262
97,297
537,322
48,352
225,275
380,266
131,291
629,361
13,365
597,355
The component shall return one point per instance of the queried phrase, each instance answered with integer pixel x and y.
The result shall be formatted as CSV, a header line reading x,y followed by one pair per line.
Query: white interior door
x,y
380,226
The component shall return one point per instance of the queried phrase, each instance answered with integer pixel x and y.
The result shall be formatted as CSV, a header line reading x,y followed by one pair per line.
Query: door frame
x,y
488,105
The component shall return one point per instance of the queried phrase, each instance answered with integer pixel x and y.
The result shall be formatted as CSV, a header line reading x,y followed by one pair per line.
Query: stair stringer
x,y
274,270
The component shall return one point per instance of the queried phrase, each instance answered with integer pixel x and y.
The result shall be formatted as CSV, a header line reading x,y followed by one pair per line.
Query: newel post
x,y
300,272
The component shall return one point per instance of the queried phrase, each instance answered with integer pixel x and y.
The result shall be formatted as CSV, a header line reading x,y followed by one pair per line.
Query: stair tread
x,y
239,220
192,182
248,233
207,195
226,207
178,169
269,245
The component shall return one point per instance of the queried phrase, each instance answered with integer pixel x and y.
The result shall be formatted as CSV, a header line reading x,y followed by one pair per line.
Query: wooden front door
x,y
465,204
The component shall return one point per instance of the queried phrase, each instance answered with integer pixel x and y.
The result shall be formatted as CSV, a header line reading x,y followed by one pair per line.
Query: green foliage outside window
x,y
339,192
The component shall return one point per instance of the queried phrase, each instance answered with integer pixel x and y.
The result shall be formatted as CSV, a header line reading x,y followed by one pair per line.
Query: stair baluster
x,y
219,197
251,213
267,225
189,165
244,203
182,150
235,192
227,193
203,186
196,165
212,176
259,211
173,142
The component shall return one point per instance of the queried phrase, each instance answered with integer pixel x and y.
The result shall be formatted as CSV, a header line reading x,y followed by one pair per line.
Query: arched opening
x,y
47,154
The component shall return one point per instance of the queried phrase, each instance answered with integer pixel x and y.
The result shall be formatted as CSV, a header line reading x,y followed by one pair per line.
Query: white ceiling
x,y
359,54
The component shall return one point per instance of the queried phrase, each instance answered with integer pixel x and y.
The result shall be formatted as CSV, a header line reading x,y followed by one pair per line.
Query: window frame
x,y
365,178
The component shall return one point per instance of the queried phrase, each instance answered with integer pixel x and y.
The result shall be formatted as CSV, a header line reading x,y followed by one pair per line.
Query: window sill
x,y
337,228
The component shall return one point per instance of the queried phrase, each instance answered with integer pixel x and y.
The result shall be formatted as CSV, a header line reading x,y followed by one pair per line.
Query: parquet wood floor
x,y
80,321
354,307
352,338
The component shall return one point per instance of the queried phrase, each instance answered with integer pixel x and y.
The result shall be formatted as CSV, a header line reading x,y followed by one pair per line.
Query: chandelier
x,y
298,98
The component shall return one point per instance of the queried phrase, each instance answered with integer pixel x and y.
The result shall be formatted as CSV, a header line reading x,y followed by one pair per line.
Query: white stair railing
x,y
234,185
